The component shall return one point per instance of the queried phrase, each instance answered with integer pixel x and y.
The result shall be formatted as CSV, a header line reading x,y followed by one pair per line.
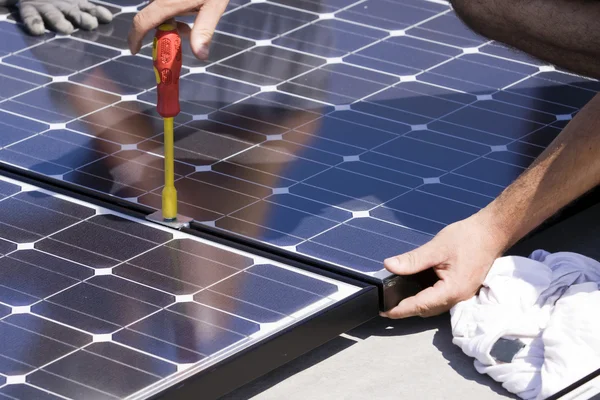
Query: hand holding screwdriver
x,y
157,12
166,56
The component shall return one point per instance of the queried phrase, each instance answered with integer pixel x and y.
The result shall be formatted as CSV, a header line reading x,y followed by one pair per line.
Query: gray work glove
x,y
61,16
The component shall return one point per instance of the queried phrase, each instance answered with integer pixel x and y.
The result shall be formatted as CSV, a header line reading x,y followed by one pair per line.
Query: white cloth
x,y
551,302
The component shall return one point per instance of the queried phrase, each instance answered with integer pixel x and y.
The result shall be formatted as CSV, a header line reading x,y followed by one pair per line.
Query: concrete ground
x,y
382,359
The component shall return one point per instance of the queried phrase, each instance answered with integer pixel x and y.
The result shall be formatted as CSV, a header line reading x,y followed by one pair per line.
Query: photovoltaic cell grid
x,y
96,305
347,131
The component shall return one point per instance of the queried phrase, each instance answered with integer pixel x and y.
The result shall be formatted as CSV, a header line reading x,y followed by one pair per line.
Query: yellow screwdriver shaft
x,y
169,194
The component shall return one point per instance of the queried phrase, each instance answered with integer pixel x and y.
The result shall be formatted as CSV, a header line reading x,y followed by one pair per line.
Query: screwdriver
x,y
166,57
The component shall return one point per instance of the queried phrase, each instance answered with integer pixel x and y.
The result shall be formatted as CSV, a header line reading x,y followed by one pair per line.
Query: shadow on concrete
x,y
463,364
460,362
308,360
442,340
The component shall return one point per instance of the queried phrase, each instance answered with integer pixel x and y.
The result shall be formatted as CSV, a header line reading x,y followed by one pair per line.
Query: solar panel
x,y
96,304
346,131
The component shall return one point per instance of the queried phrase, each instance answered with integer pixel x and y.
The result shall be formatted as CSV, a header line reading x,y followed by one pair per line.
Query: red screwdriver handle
x,y
166,55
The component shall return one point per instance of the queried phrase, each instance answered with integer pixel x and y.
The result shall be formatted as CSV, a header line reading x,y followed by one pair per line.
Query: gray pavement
x,y
382,359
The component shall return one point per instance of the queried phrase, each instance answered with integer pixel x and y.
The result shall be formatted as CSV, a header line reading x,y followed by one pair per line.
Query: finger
x,y
152,16
102,14
32,19
184,29
205,25
429,302
87,21
81,19
424,257
55,19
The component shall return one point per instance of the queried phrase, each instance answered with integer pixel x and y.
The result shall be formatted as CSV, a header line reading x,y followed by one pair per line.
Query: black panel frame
x,y
277,350
574,386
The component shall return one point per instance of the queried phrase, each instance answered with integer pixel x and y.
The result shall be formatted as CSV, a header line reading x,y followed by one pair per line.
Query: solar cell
x,y
346,131
96,304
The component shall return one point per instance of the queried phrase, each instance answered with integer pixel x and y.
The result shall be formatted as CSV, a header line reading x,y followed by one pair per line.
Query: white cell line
x,y
283,316
418,139
145,285
10,255
584,78
155,356
441,44
310,239
420,190
210,73
268,200
475,105
206,323
122,363
190,176
408,174
282,5
47,391
507,163
353,52
336,207
68,379
32,72
510,59
107,59
12,99
8,146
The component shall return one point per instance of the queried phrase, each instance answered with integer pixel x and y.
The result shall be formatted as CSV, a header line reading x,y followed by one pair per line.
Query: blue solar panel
x,y
347,131
97,305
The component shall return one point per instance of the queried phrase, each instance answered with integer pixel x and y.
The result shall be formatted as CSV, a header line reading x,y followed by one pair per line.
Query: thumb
x,y
205,25
424,257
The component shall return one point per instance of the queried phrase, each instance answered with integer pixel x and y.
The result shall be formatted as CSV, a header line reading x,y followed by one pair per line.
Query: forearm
x,y
567,169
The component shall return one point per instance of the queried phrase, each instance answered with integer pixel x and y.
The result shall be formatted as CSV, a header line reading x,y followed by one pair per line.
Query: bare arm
x,y
568,168
462,253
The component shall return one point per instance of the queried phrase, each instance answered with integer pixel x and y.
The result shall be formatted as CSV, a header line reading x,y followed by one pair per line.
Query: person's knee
x,y
485,17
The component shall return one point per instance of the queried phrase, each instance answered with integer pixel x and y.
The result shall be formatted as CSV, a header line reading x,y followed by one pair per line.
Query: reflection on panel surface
x,y
87,290
348,131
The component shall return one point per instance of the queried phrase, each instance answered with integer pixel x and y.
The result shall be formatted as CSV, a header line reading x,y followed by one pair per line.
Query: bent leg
x,y
565,33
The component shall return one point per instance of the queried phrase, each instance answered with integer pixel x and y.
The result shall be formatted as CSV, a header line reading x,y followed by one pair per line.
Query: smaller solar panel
x,y
98,305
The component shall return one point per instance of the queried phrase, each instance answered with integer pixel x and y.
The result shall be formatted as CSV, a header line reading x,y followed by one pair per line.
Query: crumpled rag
x,y
546,310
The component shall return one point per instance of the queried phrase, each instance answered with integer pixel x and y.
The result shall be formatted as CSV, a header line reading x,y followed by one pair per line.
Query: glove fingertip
x,y
64,27
88,22
36,27
104,15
